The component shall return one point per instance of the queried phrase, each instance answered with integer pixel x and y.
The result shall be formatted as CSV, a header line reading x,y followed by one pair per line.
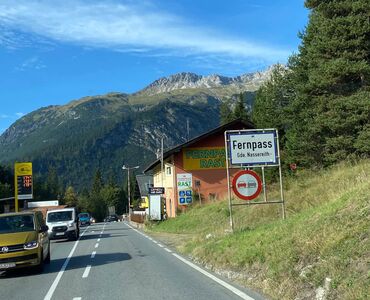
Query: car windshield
x,y
60,216
85,215
17,223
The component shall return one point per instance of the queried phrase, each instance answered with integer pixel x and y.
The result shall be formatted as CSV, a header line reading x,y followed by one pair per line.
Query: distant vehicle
x,y
63,224
144,203
111,218
24,241
84,219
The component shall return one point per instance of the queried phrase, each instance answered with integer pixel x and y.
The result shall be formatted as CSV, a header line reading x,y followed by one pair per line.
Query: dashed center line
x,y
77,298
93,254
96,245
86,272
98,240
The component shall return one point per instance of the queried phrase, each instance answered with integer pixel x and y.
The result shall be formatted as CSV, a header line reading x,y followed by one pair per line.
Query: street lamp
x,y
128,186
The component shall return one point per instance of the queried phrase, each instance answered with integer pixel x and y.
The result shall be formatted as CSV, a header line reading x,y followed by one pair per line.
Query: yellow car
x,y
24,241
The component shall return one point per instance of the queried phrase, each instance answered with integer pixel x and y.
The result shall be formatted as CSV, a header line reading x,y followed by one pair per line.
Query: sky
x,y
53,52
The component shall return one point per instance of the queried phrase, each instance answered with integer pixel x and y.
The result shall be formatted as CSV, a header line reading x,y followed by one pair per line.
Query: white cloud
x,y
4,116
123,27
19,114
33,63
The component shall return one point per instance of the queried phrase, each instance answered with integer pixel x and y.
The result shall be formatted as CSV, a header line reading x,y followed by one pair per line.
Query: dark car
x,y
111,218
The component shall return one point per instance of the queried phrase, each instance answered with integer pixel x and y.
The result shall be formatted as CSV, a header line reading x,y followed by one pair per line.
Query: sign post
x,y
252,148
184,188
23,184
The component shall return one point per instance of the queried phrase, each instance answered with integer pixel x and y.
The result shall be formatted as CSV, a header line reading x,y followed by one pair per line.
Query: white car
x,y
63,224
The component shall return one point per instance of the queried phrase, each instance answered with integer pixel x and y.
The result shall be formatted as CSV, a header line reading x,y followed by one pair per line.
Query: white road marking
x,y
168,250
214,278
98,240
77,298
86,272
160,245
96,245
60,274
93,254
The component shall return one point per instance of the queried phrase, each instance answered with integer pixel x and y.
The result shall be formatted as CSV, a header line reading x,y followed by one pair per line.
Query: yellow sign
x,y
204,158
23,169
23,182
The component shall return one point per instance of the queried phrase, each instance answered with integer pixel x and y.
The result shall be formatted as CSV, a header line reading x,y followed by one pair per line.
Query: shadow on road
x,y
76,262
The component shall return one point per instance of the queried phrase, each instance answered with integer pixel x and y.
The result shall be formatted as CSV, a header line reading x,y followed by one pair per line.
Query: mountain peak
x,y
187,80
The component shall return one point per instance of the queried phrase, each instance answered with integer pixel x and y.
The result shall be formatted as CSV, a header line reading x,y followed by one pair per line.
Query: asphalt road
x,y
116,261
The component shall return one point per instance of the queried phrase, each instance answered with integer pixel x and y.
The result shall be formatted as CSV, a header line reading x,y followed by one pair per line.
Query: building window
x,y
168,170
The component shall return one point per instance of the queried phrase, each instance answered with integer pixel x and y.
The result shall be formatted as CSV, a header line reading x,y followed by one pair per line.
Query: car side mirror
x,y
44,228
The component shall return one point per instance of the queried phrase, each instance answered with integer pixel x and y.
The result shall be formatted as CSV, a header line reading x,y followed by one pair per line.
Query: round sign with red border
x,y
247,185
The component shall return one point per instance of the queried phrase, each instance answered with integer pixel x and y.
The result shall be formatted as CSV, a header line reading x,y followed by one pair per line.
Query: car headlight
x,y
31,245
70,224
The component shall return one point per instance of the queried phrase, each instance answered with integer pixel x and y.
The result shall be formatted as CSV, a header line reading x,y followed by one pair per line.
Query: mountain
x,y
110,130
184,80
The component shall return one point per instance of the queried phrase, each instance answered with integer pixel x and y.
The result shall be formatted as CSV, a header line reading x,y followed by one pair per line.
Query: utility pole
x,y
128,187
162,161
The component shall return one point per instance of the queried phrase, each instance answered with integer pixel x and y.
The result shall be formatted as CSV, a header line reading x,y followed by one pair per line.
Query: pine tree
x,y
226,113
272,99
330,111
240,111
70,197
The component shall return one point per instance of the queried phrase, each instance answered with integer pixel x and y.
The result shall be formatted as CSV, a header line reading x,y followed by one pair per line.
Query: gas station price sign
x,y
24,182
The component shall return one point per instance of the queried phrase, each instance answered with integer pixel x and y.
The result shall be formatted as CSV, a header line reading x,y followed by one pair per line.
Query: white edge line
x,y
214,278
86,272
168,250
60,274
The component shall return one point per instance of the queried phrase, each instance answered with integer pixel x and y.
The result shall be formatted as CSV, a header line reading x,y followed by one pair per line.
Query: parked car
x,y
63,224
84,219
111,218
24,241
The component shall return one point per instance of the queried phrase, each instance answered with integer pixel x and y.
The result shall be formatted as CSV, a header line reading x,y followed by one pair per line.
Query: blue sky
x,y
52,52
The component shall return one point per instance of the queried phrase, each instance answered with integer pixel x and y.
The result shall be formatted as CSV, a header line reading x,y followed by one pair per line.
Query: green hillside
x,y
325,237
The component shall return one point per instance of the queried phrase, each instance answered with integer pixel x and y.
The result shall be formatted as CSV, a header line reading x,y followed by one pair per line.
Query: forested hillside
x,y
104,132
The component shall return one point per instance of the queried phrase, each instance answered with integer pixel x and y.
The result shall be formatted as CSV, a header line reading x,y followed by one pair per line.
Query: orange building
x,y
194,171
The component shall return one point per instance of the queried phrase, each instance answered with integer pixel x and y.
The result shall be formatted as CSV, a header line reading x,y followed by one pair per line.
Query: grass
x,y
325,235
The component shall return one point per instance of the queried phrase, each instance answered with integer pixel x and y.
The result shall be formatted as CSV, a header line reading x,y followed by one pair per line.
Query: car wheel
x,y
47,259
75,236
40,267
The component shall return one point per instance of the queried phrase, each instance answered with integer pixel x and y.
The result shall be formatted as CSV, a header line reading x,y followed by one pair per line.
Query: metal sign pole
x,y
281,177
16,206
228,183
264,184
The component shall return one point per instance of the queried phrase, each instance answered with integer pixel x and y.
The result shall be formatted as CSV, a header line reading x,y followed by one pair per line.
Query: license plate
x,y
59,233
7,265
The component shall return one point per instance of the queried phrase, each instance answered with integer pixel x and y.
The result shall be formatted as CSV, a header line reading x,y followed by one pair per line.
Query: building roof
x,y
144,181
222,128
